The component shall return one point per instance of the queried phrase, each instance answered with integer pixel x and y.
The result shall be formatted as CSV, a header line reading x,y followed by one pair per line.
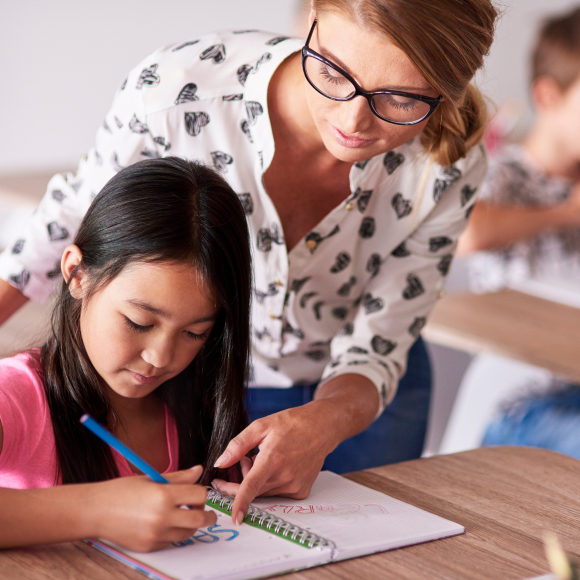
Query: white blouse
x,y
354,294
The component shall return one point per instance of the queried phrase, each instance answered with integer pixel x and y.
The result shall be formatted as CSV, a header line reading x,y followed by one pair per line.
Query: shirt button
x,y
311,244
278,282
349,206
273,315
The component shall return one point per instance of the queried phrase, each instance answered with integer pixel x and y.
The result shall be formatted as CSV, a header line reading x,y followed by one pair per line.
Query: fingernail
x,y
195,467
213,484
240,519
222,459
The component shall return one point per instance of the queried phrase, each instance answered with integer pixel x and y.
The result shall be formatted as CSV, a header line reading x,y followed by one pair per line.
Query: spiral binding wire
x,y
269,521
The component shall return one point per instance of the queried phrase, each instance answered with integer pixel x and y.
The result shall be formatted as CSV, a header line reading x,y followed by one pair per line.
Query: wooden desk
x,y
511,324
504,496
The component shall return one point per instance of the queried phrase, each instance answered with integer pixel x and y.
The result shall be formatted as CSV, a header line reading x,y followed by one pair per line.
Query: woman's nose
x,y
355,115
158,352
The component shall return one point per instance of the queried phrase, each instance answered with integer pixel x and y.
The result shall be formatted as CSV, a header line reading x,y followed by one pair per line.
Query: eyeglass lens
x,y
333,84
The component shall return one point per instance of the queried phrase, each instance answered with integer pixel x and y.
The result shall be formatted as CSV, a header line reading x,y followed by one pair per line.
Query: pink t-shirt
x,y
28,456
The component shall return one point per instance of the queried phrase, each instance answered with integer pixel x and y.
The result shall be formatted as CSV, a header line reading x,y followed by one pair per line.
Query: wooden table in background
x,y
505,497
511,324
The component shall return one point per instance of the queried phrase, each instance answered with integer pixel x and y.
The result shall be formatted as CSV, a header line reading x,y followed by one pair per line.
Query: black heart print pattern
x,y
277,40
444,264
438,242
345,289
354,363
221,160
253,111
374,265
403,207
382,346
122,88
467,193
341,262
383,395
340,312
194,122
468,211
246,129
414,287
260,334
21,280
106,126
316,237
54,273
183,45
316,308
363,201
346,330
236,97
306,297
261,296
247,203
298,283
392,161
148,77
267,237
357,350
115,162
371,304
450,175
57,195
289,329
321,343
136,126
401,251
187,94
118,122
246,69
367,228
56,232
161,141
18,246
150,153
217,53
361,164
417,326
315,355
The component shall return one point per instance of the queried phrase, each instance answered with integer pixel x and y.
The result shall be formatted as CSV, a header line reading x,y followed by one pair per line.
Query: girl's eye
x,y
194,336
137,327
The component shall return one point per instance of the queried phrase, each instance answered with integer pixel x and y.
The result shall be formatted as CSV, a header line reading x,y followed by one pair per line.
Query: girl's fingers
x,y
193,519
225,486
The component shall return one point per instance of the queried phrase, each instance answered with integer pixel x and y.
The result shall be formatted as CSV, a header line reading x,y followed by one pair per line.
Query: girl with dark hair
x,y
150,335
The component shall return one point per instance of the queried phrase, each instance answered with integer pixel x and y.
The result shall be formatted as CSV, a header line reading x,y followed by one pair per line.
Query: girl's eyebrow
x,y
162,313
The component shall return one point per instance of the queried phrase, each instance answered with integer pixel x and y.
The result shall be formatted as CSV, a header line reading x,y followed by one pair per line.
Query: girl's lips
x,y
349,140
142,378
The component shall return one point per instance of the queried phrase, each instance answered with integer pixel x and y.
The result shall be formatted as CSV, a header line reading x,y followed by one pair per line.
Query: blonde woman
x,y
357,157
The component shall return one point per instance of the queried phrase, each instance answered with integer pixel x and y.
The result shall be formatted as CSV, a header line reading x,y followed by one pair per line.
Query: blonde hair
x,y
446,40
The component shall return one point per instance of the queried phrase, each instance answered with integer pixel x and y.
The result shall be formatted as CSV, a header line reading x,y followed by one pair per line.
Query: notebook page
x,y
228,552
357,519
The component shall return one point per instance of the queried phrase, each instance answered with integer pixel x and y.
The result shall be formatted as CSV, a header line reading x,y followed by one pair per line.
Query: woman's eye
x,y
330,75
194,336
137,327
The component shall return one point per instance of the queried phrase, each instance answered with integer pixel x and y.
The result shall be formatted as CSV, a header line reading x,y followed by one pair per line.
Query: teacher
x,y
357,157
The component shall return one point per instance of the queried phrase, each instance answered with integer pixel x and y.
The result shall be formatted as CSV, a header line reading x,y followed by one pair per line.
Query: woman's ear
x,y
546,93
71,259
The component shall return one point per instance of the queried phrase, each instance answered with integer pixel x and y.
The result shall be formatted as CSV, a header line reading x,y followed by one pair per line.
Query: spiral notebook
x,y
340,519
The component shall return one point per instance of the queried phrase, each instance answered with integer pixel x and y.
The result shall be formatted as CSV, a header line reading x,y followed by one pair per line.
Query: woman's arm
x,y
134,512
493,227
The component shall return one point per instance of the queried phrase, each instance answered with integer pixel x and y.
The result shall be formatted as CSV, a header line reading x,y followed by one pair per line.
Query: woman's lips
x,y
349,140
142,378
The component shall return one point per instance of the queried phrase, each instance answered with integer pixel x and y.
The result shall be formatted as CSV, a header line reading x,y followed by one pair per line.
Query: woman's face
x,y
349,130
147,325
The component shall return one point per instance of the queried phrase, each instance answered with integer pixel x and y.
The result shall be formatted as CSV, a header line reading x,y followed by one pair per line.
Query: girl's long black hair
x,y
161,210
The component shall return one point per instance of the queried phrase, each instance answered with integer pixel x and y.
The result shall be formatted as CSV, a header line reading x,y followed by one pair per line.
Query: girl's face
x,y
146,325
349,129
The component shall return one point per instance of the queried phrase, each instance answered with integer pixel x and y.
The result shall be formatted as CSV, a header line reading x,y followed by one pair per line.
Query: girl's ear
x,y
71,258
546,93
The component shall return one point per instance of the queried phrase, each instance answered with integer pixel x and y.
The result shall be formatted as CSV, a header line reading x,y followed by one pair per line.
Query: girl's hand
x,y
142,515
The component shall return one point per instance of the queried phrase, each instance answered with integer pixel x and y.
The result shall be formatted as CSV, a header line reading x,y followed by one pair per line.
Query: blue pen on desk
x,y
111,440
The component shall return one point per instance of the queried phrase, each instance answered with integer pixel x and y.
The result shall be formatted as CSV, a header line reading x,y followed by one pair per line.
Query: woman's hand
x,y
294,443
134,512
142,515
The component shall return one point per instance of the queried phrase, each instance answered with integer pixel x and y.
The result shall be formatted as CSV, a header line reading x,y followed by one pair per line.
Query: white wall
x,y
61,62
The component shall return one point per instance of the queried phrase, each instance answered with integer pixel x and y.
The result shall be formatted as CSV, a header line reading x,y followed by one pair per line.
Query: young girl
x,y
150,335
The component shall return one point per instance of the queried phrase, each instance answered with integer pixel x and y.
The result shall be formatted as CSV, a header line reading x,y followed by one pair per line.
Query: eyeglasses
x,y
332,82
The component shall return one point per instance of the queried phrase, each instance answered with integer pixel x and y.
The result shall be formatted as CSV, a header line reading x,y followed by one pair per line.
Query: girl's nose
x,y
355,115
158,352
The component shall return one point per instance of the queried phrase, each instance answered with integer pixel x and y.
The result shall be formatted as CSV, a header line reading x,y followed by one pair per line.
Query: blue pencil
x,y
111,440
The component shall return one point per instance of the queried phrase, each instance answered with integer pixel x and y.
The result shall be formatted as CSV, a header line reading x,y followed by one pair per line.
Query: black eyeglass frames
x,y
334,83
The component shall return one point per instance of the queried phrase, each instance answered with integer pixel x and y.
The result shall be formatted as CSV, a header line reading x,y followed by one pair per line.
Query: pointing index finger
x,y
252,486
